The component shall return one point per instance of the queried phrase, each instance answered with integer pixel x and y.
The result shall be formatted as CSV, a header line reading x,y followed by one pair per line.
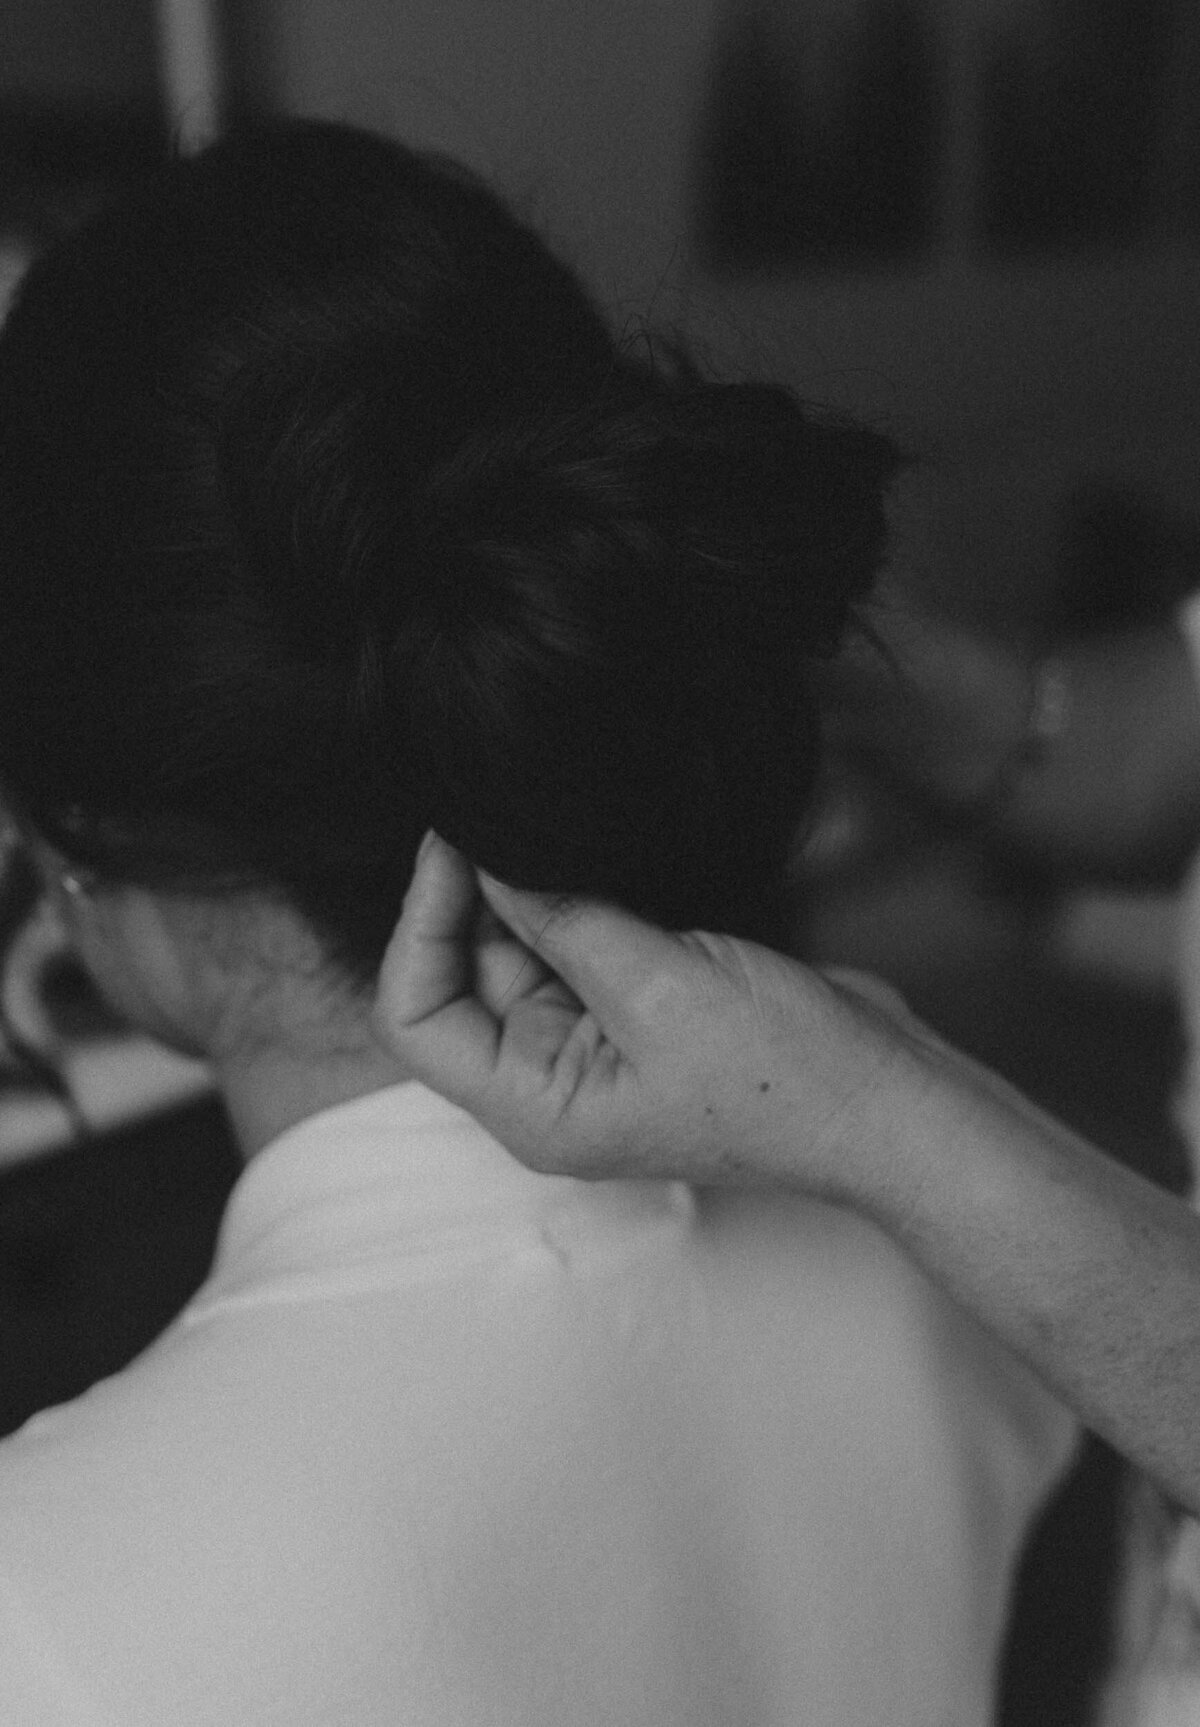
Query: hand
x,y
592,1044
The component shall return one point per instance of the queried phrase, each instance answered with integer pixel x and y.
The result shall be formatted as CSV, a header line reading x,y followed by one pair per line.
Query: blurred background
x,y
976,222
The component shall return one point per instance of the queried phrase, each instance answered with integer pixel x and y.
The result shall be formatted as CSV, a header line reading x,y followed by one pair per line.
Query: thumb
x,y
426,1008
612,962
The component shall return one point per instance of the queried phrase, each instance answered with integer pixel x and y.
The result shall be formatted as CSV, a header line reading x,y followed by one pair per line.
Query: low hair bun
x,y
605,678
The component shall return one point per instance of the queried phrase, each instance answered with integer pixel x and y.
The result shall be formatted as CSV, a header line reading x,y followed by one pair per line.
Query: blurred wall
x,y
91,51
1015,376
581,111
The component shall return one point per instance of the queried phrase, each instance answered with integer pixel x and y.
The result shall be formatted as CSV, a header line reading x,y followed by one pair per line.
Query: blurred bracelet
x,y
1047,719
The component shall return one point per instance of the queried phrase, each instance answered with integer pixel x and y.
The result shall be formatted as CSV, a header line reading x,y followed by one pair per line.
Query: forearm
x,y
1086,1271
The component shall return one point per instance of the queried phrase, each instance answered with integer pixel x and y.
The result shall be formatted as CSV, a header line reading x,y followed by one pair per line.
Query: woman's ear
x,y
135,952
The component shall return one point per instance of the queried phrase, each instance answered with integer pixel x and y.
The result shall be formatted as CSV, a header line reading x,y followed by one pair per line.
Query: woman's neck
x,y
275,1088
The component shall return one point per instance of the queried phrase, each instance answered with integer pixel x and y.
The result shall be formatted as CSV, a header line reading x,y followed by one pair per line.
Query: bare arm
x,y
1087,1271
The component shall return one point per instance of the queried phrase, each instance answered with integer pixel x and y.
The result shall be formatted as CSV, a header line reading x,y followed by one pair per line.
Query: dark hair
x,y
329,512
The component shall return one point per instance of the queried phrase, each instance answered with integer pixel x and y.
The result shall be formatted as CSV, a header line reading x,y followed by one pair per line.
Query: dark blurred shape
x,y
1186,134
101,1247
1061,1638
244,30
780,186
1124,558
80,107
1070,111
55,168
23,1066
99,54
20,890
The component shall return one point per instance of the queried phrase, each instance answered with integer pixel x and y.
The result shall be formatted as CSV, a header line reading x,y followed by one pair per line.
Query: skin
x,y
594,1045
238,981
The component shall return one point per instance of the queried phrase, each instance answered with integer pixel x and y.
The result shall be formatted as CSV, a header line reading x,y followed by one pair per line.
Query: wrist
x,y
879,1088
897,1162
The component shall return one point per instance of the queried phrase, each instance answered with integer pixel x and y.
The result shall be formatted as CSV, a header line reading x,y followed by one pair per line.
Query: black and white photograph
x,y
599,863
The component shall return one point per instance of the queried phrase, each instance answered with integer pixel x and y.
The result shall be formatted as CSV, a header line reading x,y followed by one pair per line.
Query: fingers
x,y
506,972
453,975
427,964
609,959
426,1007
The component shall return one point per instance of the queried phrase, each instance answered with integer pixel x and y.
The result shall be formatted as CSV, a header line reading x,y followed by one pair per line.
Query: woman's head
x,y
329,512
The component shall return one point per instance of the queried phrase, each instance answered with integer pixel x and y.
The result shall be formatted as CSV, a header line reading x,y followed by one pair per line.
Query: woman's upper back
x,y
444,1441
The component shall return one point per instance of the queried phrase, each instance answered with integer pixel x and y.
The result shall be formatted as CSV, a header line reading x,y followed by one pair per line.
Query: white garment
x,y
1157,1682
443,1443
